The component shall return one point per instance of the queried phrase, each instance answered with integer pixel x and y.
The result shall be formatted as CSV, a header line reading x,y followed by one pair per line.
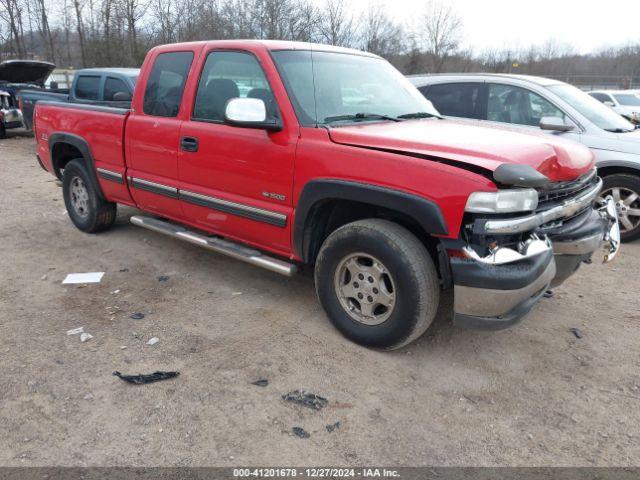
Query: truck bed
x,y
98,129
29,98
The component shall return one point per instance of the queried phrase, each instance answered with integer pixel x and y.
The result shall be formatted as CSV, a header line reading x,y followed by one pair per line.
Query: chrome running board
x,y
217,244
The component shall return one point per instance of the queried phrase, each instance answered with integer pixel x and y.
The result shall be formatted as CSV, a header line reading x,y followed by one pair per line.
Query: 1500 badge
x,y
275,196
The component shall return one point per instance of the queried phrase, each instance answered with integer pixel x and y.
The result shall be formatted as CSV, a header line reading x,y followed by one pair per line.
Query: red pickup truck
x,y
284,154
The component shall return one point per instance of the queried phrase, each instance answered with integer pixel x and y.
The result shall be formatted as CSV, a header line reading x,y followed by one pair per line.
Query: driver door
x,y
236,181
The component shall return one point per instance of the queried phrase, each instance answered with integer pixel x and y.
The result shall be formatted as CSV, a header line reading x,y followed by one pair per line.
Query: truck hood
x,y
469,146
25,71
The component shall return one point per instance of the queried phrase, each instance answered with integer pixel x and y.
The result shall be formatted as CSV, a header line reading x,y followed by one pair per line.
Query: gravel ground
x,y
532,395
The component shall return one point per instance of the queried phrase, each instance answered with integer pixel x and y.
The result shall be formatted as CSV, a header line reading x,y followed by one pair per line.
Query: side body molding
x,y
425,212
82,145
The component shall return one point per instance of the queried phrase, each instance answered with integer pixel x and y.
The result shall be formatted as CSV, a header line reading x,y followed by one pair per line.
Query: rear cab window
x,y
114,85
88,87
463,99
165,85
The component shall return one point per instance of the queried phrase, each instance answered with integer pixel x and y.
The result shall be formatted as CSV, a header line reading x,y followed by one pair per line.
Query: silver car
x,y
556,108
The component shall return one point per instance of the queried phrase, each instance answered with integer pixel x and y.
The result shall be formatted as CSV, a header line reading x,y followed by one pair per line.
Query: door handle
x,y
189,144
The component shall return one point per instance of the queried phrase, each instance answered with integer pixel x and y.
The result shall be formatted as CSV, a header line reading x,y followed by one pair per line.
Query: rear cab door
x,y
237,181
458,99
153,129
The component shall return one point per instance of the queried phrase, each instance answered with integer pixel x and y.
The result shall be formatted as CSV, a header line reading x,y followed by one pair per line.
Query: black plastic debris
x,y
332,427
576,332
137,316
123,270
163,278
306,399
300,432
548,294
142,379
263,382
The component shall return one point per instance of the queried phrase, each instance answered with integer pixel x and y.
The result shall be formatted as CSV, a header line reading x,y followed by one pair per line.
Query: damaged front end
x,y
518,242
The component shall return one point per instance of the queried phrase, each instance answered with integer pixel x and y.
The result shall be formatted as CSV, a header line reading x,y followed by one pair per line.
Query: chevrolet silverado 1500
x,y
285,154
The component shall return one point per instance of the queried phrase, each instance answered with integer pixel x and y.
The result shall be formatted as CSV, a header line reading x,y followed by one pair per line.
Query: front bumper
x,y
496,291
493,297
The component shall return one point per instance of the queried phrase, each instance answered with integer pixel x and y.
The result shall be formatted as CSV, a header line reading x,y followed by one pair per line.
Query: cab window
x,y
113,86
87,87
456,99
163,93
228,75
510,104
602,97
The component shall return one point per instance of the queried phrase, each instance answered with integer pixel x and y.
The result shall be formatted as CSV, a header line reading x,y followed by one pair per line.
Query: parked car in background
x,y
385,199
16,75
10,116
95,86
624,102
545,105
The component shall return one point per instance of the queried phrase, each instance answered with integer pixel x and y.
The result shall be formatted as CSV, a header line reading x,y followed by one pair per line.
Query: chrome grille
x,y
560,192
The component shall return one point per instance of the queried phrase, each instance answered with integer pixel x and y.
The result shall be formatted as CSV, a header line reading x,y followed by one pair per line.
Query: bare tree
x,y
337,26
134,10
380,35
440,32
44,30
11,14
164,13
77,8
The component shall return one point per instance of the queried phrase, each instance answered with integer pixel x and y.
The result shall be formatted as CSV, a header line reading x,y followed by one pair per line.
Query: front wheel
x,y
625,190
377,283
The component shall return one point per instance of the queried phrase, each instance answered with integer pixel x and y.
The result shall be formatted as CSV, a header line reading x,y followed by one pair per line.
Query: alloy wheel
x,y
365,288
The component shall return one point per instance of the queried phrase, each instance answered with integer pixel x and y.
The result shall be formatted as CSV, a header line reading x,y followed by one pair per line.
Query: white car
x,y
624,102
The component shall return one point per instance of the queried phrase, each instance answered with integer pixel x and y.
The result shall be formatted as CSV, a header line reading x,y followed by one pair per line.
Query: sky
x,y
588,25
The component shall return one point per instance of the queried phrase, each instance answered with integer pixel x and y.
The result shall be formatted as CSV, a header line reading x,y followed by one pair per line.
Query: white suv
x,y
624,102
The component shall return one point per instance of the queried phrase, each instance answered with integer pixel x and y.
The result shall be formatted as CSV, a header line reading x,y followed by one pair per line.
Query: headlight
x,y
502,201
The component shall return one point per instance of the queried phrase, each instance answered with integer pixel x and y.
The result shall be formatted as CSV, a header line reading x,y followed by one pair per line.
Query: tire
x,y
411,282
86,209
3,131
622,187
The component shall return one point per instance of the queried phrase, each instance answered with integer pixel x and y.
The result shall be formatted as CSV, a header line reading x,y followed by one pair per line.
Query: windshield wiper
x,y
419,115
618,130
360,116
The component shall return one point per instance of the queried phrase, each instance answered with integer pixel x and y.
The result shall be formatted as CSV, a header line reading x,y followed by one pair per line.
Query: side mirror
x,y
556,124
122,97
609,103
249,113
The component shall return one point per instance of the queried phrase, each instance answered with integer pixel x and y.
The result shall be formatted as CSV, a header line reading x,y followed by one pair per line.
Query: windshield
x,y
348,88
628,99
598,113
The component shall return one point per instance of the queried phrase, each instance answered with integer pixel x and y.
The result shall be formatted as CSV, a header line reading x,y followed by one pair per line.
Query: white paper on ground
x,y
90,277
75,331
84,336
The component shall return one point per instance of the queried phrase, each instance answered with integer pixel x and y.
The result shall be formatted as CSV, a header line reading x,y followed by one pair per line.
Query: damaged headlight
x,y
503,201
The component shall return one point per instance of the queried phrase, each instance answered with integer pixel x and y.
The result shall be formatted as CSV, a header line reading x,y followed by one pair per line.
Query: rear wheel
x,y
377,283
625,190
86,209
